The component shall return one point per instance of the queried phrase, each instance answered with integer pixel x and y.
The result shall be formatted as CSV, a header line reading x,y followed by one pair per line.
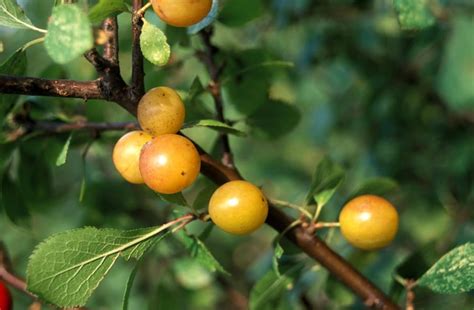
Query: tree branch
x,y
60,127
109,87
111,47
52,88
138,73
208,57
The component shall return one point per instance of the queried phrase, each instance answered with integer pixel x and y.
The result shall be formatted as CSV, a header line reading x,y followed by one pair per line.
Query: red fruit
x,y
5,298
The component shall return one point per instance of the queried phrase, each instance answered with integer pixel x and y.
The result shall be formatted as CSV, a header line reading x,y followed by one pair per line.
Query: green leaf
x,y
128,288
414,14
15,65
12,15
153,44
453,273
13,202
375,186
61,160
198,250
206,21
326,179
456,76
175,199
69,33
203,197
216,125
239,12
274,119
277,254
106,8
270,288
66,268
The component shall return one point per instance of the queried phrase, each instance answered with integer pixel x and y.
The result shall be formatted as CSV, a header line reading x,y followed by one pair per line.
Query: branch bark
x,y
138,73
111,47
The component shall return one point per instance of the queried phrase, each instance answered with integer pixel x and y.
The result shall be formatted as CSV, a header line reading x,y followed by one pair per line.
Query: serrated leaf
x,y
453,273
198,250
216,125
66,268
15,65
375,186
61,160
414,14
456,76
69,33
271,287
12,15
153,44
326,179
274,119
206,21
176,199
106,8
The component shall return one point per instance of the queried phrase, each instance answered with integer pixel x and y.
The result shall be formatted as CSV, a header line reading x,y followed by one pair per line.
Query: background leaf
x,y
216,125
375,186
274,119
453,273
414,14
456,76
239,12
69,33
15,65
62,157
106,8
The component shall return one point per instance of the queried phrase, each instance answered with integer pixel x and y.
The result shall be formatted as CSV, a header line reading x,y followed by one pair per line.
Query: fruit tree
x,y
236,154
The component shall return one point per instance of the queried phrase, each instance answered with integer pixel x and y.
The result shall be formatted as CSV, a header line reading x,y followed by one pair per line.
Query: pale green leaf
x,y
414,14
106,8
153,44
453,273
69,33
216,125
61,160
66,268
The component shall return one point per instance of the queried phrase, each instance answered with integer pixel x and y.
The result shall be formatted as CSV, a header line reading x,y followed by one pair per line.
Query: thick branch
x,y
59,127
138,73
52,88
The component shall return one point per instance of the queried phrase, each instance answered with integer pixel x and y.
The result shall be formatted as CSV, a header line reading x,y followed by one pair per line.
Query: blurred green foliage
x,y
378,100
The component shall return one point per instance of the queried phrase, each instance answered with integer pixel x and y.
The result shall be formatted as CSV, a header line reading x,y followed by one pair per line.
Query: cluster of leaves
x,y
335,80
